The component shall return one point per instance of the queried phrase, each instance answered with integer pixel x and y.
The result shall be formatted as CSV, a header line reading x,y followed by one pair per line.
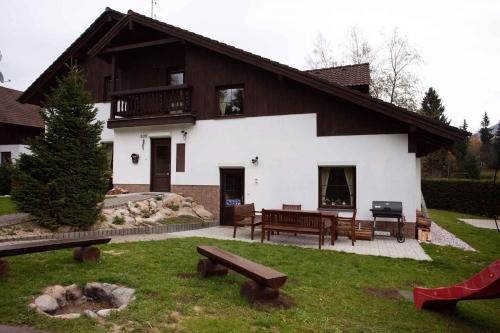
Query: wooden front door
x,y
160,165
232,191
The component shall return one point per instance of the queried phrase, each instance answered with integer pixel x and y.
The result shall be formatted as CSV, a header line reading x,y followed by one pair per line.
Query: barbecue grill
x,y
389,209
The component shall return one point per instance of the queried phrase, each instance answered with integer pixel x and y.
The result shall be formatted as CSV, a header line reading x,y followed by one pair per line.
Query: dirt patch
x,y
185,276
78,306
152,294
283,302
383,293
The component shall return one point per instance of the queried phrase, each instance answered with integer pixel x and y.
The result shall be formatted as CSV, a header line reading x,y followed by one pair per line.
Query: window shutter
x,y
180,163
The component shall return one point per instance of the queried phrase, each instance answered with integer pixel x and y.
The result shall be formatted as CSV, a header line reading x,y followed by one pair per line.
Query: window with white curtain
x,y
337,187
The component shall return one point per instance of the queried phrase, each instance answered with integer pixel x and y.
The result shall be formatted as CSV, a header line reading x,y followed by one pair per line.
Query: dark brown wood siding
x,y
266,94
180,160
13,134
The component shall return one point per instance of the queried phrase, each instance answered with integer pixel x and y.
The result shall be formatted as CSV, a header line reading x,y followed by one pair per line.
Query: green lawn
x,y
7,206
327,287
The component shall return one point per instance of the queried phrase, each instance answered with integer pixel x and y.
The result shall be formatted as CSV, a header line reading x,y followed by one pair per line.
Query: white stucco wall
x,y
15,150
418,188
289,154
103,114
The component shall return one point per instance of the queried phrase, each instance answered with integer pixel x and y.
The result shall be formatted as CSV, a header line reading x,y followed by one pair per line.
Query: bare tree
x,y
397,82
358,50
392,66
322,54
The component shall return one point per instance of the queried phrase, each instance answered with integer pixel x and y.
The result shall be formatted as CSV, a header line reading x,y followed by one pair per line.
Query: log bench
x,y
264,282
84,249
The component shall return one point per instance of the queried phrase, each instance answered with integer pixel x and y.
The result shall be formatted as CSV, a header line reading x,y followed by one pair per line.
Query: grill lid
x,y
387,207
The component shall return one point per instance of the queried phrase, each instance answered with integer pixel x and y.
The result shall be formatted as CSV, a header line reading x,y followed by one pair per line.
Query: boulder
x,y
104,313
186,204
121,212
172,199
68,316
143,206
186,211
121,296
203,213
189,199
99,290
73,292
89,314
58,293
46,303
133,209
153,205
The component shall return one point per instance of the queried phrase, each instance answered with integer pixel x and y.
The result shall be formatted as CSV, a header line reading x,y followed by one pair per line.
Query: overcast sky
x,y
459,41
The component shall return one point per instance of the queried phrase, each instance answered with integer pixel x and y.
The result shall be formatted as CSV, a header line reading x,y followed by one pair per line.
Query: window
x,y
175,77
6,158
337,187
230,101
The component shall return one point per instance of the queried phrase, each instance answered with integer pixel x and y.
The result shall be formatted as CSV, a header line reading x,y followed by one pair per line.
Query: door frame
x,y
152,160
222,185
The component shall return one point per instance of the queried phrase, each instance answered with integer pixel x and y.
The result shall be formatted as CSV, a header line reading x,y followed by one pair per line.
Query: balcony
x,y
151,106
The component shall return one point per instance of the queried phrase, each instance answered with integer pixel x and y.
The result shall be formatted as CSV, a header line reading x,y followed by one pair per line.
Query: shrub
x,y
5,179
174,208
466,196
118,220
65,177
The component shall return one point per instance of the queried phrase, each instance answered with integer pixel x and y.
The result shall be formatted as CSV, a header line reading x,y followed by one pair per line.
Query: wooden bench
x,y
264,284
298,222
244,216
85,251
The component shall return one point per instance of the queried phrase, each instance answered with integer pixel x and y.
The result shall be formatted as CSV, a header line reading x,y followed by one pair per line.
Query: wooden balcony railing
x,y
165,100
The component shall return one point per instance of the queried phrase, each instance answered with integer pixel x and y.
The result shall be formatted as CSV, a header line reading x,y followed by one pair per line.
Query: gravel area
x,y
12,219
123,199
443,237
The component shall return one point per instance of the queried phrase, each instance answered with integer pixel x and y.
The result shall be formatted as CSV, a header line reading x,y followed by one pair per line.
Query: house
x,y
189,114
17,123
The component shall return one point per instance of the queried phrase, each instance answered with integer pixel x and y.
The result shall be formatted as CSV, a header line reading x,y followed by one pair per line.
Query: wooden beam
x,y
140,45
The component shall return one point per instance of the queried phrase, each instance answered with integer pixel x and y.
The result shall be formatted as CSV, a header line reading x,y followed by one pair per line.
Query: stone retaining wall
x,y
168,228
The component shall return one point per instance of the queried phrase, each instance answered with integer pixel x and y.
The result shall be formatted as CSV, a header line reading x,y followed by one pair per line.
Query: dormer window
x,y
175,77
230,100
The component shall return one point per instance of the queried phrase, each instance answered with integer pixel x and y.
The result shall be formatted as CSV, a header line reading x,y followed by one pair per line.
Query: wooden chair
x,y
346,224
244,216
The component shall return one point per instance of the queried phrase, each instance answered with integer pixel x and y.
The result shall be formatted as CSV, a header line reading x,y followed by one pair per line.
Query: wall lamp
x,y
184,134
255,161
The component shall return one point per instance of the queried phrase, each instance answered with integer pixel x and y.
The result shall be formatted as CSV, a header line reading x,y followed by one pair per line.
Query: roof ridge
x,y
336,67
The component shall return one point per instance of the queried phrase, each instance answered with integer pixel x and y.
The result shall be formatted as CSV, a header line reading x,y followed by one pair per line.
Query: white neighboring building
x,y
188,114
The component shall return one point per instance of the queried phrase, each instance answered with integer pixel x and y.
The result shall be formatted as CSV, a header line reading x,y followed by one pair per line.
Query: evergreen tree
x,y
496,153
435,164
485,133
63,180
460,147
467,163
432,107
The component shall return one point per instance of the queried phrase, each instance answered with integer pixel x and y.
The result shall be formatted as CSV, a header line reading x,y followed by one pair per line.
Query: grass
x,y
7,206
327,287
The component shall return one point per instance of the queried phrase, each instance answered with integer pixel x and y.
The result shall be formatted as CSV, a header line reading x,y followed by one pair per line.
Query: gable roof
x,y
107,18
413,119
15,113
348,75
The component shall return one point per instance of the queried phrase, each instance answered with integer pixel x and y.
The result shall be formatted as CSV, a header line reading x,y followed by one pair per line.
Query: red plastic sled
x,y
483,285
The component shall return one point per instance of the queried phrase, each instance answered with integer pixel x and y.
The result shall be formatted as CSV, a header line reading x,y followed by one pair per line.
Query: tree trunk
x,y
88,254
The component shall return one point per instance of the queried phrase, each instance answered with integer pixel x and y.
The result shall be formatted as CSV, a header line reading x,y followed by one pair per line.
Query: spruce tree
x,y
432,107
485,133
436,163
63,180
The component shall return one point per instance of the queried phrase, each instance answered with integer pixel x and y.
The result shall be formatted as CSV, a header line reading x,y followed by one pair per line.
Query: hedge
x,y
465,196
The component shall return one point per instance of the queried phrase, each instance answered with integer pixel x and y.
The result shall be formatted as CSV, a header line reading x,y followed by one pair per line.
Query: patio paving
x,y
480,223
380,246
